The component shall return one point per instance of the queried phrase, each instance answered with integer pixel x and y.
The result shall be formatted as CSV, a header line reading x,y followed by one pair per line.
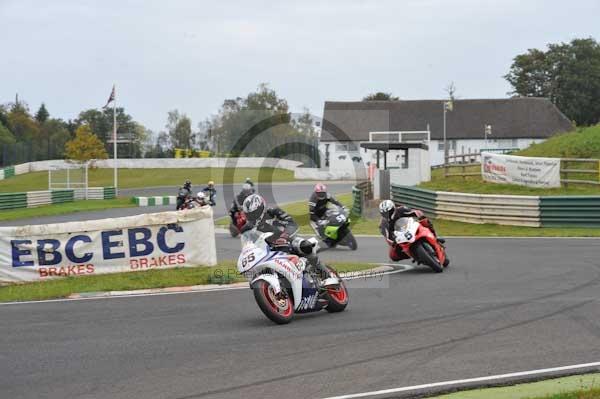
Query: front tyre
x,y
350,241
233,230
337,297
278,310
426,254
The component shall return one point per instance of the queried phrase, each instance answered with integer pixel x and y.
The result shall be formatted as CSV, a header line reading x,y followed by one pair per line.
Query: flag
x,y
111,98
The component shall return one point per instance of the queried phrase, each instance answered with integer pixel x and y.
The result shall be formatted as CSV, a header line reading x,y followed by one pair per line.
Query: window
x,y
346,147
452,145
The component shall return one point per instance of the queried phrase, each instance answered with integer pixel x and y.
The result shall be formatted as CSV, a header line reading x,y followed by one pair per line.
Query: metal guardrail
x,y
581,211
32,199
515,210
361,193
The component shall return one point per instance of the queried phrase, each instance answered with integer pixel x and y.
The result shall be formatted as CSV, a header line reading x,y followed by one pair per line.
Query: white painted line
x,y
468,380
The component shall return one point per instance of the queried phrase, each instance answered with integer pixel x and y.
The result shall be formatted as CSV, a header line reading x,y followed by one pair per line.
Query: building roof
x,y
520,117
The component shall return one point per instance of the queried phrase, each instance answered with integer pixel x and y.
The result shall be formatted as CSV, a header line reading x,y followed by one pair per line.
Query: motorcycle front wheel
x,y
337,297
278,310
426,254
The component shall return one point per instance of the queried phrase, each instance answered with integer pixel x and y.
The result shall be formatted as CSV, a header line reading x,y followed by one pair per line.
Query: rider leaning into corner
x,y
275,220
317,205
390,213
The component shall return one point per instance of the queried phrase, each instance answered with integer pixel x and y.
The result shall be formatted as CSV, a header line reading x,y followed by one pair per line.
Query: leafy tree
x,y
566,73
256,125
179,127
42,114
6,139
101,124
85,146
305,124
380,96
56,134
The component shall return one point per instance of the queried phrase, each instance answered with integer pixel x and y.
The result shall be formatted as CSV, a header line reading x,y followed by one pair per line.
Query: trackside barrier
x,y
515,210
583,211
155,201
33,199
5,173
135,243
357,201
415,198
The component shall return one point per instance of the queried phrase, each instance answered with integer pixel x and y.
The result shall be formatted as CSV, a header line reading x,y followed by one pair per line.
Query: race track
x,y
504,305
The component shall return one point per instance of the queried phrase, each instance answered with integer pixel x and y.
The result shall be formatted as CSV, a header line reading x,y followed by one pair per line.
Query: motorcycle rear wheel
x,y
426,254
350,241
279,311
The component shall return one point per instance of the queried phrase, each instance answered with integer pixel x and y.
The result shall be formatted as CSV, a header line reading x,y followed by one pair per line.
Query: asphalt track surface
x,y
504,305
274,193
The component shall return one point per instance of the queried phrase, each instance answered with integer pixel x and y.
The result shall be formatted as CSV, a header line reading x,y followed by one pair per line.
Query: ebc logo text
x,y
48,251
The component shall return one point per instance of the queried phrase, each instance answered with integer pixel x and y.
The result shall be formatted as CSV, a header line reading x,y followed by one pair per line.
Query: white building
x,y
515,123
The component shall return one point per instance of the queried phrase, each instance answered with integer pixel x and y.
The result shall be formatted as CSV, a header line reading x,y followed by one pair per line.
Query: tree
x,y
567,73
179,127
451,91
42,114
56,135
85,146
305,124
256,125
101,124
6,139
380,96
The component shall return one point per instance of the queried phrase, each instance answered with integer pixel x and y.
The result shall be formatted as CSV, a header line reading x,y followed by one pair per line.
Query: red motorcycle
x,y
417,241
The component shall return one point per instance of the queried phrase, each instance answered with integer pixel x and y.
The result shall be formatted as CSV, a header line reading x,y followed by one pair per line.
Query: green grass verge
x,y
474,184
225,273
299,211
573,387
139,178
64,208
581,143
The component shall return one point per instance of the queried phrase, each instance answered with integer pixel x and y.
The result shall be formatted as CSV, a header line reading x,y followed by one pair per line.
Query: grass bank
x,y
580,143
573,387
225,273
139,178
65,208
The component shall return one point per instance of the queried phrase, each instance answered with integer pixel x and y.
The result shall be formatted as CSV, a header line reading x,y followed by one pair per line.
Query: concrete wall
x,y
436,153
319,174
168,163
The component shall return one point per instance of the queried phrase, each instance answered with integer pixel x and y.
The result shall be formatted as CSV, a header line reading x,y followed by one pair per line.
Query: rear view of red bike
x,y
418,242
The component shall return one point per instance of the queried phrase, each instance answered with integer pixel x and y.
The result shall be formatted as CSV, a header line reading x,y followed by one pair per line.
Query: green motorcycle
x,y
334,229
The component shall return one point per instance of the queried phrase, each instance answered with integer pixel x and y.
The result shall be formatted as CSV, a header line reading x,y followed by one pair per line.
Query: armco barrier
x,y
13,200
515,210
5,173
155,201
482,208
583,211
357,201
32,199
418,198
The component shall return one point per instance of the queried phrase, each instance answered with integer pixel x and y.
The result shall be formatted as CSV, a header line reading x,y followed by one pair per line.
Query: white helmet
x,y
386,208
254,207
201,197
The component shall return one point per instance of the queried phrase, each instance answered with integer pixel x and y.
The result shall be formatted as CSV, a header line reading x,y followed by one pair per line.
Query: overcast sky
x,y
191,54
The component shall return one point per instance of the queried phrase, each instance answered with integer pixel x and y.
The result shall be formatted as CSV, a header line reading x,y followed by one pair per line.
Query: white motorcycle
x,y
281,284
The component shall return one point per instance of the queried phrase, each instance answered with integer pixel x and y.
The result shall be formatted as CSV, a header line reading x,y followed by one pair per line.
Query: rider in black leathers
x,y
275,220
184,194
238,201
317,205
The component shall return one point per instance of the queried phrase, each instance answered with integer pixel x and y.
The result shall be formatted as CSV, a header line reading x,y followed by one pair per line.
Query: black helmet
x,y
254,207
187,184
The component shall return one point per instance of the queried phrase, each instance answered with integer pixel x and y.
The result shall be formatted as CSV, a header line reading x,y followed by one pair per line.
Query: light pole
x,y
487,132
448,106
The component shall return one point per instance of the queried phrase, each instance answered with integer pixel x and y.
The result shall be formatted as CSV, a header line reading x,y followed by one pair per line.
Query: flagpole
x,y
115,143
